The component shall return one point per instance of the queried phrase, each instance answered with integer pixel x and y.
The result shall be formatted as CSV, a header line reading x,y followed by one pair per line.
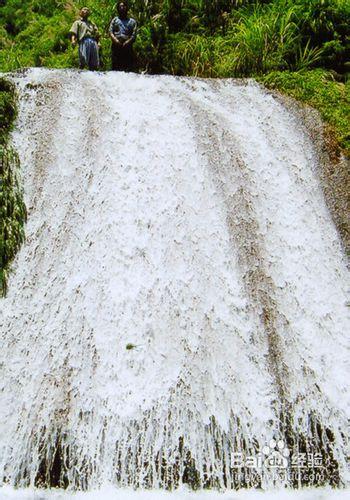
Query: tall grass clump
x,y
268,37
12,208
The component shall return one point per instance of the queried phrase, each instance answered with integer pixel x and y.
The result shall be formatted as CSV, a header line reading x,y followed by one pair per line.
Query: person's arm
x,y
132,36
96,33
112,35
74,33
115,39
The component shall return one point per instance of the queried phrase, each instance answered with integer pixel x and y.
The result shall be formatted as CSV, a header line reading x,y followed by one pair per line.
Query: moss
x,y
12,208
129,347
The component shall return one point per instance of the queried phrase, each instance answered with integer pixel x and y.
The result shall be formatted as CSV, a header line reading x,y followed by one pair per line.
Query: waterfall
x,y
180,303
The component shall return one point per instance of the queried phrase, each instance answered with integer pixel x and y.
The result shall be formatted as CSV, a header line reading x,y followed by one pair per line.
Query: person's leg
x,y
81,57
92,55
122,58
126,59
129,59
113,57
116,58
82,60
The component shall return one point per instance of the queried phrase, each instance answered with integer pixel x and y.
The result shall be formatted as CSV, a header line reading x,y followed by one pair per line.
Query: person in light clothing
x,y
86,34
123,30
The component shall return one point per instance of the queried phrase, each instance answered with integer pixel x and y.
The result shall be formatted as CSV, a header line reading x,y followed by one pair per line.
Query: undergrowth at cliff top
x,y
193,37
12,208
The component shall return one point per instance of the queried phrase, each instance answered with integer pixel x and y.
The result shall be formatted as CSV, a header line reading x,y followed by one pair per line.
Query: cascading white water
x,y
181,296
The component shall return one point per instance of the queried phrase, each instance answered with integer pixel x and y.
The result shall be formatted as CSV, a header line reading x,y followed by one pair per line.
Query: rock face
x,y
180,300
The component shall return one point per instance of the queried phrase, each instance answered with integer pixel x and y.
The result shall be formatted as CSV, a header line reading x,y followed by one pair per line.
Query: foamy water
x,y
181,296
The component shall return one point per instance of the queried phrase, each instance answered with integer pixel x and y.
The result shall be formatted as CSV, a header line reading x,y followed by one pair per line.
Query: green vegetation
x,y
12,208
203,37
130,347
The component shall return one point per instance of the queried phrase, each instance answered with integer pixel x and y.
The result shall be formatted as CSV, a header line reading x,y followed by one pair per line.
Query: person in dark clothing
x,y
123,31
86,34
